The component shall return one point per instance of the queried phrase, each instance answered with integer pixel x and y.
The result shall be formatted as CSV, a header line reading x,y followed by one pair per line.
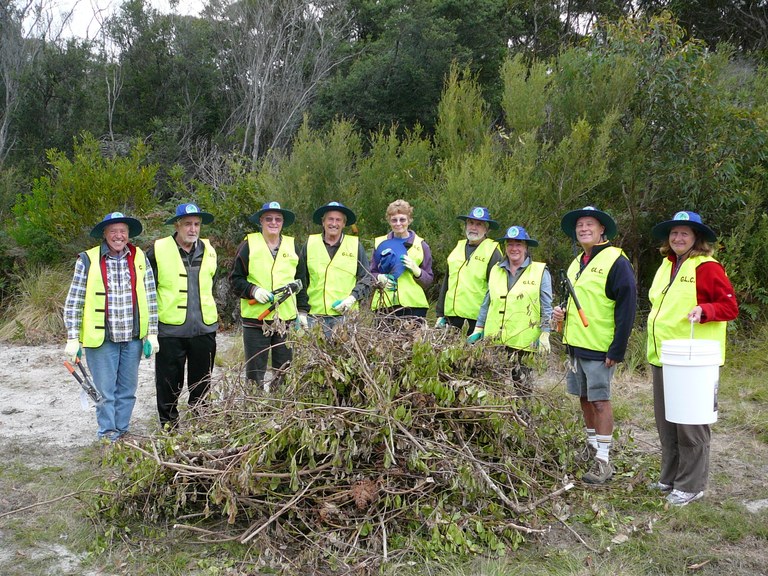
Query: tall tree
x,y
275,54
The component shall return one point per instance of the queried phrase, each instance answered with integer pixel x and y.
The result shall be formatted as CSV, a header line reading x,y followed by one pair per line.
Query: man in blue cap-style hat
x,y
469,265
333,269
604,284
111,307
518,304
184,265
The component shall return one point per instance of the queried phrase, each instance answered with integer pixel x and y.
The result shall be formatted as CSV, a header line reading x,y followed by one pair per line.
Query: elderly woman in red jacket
x,y
690,287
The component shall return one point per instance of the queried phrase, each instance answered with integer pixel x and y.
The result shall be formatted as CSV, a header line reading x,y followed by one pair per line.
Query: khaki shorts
x,y
592,380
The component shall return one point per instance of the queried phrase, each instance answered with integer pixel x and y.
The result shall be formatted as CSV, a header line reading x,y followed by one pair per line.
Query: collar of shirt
x,y
105,251
337,243
505,264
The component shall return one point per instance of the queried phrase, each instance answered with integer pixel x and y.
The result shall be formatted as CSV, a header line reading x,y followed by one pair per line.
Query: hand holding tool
x,y
85,381
262,296
279,295
344,305
72,349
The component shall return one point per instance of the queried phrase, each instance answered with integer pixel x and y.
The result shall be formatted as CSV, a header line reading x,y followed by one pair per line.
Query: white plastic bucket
x,y
691,377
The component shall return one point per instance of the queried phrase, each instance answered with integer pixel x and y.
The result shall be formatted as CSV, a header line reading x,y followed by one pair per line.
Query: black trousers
x,y
198,354
458,322
257,346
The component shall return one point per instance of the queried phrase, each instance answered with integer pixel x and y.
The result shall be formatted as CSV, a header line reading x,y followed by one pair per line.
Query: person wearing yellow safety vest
x,y
518,304
111,310
404,295
266,261
333,269
691,296
605,287
184,265
469,265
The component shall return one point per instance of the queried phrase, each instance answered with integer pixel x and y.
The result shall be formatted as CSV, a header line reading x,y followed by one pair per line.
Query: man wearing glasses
x,y
333,269
265,261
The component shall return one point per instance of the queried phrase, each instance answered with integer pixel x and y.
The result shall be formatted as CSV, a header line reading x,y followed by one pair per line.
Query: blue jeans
x,y
327,322
115,370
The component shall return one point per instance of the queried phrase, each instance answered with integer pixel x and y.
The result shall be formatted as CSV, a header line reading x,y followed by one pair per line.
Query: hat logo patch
x,y
116,215
513,232
589,208
682,216
190,209
333,204
478,212
274,204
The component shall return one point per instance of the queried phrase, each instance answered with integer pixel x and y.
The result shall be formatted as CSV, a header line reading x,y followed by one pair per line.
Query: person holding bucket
x,y
597,321
691,297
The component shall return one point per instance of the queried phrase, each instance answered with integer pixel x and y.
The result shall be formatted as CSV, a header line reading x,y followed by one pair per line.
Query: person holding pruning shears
x,y
265,261
596,331
184,265
111,310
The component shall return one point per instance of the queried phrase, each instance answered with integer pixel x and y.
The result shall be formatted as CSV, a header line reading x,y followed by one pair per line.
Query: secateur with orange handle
x,y
85,380
281,295
571,293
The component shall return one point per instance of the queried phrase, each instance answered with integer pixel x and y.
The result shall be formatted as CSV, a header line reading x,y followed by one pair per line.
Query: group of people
x,y
121,297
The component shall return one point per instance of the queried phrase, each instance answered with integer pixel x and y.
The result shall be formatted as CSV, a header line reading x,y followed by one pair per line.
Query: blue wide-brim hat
x,y
684,218
134,226
389,256
288,216
317,216
518,233
480,213
190,210
568,223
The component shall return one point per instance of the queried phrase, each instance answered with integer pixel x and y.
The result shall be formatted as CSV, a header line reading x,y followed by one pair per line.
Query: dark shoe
x,y
659,487
600,473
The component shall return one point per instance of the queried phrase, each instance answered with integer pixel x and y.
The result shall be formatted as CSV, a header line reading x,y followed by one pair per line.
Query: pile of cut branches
x,y
386,437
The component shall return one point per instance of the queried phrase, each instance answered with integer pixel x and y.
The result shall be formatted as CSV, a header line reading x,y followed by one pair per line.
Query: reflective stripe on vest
x,y
590,289
408,294
670,304
514,315
94,324
270,273
172,283
467,279
330,280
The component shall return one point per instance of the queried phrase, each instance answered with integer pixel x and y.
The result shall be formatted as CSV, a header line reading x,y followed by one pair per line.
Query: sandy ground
x,y
43,424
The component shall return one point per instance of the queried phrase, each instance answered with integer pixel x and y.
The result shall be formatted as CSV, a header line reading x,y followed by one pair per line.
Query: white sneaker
x,y
680,498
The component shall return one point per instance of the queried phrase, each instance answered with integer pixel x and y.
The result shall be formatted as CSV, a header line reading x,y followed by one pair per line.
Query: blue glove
x,y
475,336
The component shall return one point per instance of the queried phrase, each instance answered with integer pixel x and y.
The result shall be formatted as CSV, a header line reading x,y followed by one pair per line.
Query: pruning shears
x,y
85,381
281,295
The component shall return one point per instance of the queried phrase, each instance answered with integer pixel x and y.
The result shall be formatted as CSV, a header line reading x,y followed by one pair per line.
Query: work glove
x,y
343,306
544,345
386,281
411,265
72,349
441,322
151,345
262,296
302,322
476,335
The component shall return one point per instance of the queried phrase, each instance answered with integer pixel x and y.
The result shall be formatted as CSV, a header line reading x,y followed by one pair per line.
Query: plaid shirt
x,y
120,324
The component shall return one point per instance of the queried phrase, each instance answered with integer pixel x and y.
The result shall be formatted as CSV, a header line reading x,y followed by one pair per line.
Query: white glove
x,y
262,296
544,345
441,322
343,306
411,265
71,349
385,281
151,345
302,323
